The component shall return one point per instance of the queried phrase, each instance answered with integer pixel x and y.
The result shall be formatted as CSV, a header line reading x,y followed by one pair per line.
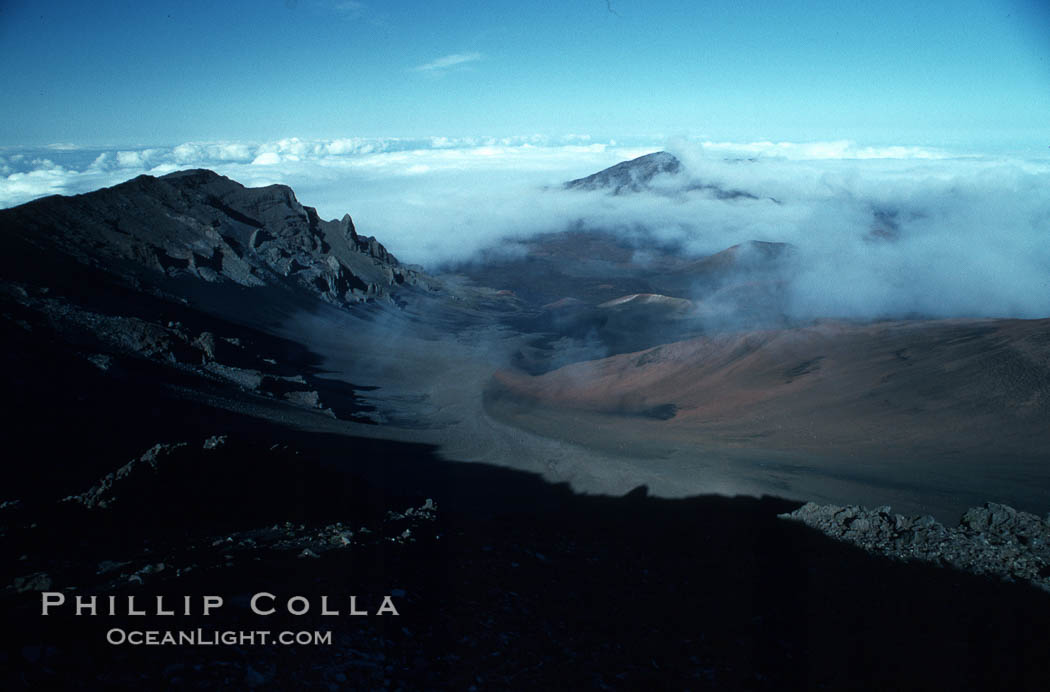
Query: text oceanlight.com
x,y
201,637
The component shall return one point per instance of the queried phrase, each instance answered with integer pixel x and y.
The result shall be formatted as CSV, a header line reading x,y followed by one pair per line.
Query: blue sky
x,y
970,73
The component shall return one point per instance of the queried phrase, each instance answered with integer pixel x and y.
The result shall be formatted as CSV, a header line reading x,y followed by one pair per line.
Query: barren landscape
x,y
573,463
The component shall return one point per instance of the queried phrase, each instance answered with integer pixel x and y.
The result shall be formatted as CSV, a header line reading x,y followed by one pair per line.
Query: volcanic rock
x,y
994,539
202,225
635,175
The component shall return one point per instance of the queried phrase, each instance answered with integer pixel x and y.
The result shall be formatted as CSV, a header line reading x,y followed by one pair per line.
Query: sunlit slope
x,y
950,384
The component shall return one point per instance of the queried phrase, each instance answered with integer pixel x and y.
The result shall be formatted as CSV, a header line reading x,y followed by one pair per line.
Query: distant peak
x,y
662,157
629,176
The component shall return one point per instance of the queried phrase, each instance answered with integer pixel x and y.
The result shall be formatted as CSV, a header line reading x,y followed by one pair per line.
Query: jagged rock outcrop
x,y
994,539
229,481
219,476
111,342
134,478
199,224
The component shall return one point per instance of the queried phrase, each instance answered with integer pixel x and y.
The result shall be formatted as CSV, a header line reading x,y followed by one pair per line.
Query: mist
x,y
877,232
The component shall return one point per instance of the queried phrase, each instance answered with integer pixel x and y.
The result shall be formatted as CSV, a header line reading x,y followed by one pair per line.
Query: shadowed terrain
x,y
511,582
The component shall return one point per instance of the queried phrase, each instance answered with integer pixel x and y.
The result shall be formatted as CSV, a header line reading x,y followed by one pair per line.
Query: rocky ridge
x,y
994,540
112,343
201,225
174,504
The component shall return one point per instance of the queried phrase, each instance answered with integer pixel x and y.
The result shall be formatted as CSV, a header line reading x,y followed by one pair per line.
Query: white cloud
x,y
131,159
268,158
193,152
38,183
448,61
836,149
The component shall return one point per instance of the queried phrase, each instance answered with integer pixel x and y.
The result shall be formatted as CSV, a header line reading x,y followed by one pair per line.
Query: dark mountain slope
x,y
200,225
144,308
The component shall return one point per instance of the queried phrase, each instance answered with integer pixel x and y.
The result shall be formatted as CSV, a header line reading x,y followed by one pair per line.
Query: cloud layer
x,y
885,231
